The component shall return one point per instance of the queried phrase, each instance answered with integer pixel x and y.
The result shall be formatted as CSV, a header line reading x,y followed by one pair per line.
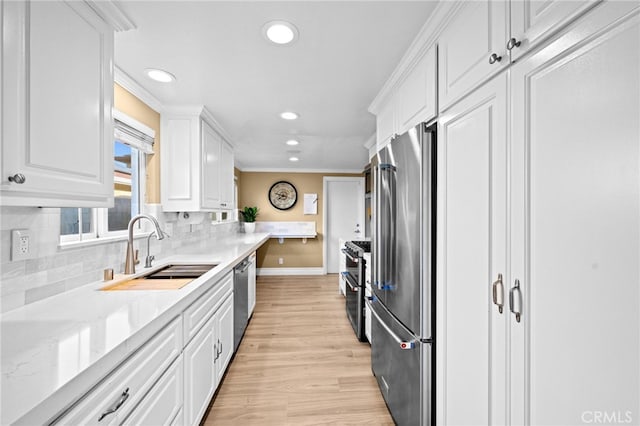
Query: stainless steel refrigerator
x,y
403,258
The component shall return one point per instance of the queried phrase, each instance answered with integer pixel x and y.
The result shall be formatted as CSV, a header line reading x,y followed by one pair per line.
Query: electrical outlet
x,y
281,261
21,244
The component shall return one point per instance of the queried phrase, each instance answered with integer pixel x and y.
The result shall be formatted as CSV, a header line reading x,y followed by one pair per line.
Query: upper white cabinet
x,y
533,21
197,163
57,94
412,102
472,47
483,37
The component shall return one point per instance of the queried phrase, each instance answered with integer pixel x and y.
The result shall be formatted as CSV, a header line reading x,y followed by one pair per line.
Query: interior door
x,y
575,225
344,215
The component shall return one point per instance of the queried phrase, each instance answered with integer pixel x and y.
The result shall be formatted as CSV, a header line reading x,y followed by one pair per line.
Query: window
x,y
132,142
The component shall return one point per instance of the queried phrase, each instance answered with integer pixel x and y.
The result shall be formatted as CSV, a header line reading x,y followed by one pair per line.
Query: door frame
x,y
325,181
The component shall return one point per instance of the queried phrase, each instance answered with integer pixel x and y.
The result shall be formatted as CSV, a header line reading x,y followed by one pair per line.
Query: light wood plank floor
x,y
299,362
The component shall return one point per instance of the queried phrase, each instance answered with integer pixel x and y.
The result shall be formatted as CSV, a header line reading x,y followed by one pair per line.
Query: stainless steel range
x,y
355,279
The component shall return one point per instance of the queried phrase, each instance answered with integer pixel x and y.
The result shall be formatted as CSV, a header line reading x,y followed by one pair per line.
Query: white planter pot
x,y
249,227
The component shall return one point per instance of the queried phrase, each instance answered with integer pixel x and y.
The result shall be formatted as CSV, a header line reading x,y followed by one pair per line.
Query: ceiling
x,y
345,52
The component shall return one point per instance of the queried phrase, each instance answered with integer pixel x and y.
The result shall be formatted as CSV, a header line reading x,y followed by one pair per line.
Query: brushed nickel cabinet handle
x,y
18,178
116,405
515,300
498,293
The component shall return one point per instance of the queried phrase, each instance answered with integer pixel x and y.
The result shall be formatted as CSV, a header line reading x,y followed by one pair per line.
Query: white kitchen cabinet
x,y
113,399
163,404
472,239
549,215
197,163
206,358
413,102
252,284
477,43
533,21
575,233
199,373
342,267
476,33
57,95
417,94
224,338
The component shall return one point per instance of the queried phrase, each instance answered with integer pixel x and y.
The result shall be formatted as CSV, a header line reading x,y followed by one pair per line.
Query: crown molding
x,y
427,36
371,142
111,13
132,86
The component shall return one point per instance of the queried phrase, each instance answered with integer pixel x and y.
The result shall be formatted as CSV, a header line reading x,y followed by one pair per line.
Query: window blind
x,y
133,133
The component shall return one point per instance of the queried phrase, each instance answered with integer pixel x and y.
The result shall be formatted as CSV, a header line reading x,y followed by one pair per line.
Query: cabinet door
x,y
57,94
211,148
472,239
534,20
385,122
417,94
163,403
226,176
575,230
199,373
475,33
224,337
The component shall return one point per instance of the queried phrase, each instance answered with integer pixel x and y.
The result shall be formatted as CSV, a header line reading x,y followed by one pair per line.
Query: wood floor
x,y
299,362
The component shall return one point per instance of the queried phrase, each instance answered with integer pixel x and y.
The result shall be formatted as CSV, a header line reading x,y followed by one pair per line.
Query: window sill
x,y
99,241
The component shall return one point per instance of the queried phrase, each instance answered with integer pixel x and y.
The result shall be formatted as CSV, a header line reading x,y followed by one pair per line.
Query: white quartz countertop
x,y
54,350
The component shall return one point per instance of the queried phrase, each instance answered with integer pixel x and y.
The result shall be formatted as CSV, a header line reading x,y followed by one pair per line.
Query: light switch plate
x,y
21,244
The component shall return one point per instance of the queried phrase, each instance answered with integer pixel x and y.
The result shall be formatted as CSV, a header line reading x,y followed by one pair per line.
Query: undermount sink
x,y
170,277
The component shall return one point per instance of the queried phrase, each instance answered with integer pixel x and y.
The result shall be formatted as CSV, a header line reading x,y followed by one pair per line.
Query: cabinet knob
x,y
513,43
494,58
17,178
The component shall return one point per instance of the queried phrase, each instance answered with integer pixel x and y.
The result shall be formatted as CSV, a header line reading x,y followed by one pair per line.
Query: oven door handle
x,y
354,259
351,286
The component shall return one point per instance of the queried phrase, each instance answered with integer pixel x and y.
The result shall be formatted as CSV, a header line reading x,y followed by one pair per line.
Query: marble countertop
x,y
56,349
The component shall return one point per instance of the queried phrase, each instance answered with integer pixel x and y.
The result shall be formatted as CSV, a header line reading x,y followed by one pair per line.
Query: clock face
x,y
282,195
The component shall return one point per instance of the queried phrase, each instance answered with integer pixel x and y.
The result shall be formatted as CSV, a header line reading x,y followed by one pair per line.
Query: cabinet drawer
x,y
163,403
129,382
201,310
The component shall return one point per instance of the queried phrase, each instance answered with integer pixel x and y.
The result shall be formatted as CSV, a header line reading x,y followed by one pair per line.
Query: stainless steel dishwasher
x,y
240,300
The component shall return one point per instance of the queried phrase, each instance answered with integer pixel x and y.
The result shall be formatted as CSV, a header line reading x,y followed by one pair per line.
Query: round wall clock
x,y
282,195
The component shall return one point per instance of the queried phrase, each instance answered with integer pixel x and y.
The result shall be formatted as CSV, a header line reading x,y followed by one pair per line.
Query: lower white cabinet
x,y
205,360
113,399
342,267
163,404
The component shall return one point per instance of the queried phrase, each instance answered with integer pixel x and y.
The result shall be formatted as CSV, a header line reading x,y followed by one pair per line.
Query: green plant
x,y
249,213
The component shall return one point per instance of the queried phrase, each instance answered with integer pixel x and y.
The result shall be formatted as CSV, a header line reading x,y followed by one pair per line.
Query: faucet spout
x,y
130,265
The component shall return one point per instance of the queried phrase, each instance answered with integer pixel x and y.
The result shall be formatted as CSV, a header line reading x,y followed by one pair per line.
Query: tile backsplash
x,y
54,270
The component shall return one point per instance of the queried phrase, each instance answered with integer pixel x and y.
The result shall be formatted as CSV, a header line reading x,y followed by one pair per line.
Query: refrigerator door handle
x,y
404,344
386,242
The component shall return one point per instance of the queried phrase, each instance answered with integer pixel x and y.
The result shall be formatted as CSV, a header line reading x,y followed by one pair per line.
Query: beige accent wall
x,y
253,190
135,108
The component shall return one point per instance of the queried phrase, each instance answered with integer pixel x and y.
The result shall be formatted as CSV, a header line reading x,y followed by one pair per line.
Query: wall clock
x,y
282,195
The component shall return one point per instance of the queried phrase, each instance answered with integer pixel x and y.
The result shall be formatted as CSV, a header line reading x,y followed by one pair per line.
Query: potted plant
x,y
250,214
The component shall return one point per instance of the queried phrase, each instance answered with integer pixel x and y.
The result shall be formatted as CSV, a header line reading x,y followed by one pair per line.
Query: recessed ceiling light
x,y
293,158
288,115
160,75
280,32
292,142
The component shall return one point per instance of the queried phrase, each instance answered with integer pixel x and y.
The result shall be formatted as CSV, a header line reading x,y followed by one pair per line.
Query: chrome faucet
x,y
130,264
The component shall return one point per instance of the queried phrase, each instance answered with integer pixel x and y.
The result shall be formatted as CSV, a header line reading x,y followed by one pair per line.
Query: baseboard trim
x,y
289,271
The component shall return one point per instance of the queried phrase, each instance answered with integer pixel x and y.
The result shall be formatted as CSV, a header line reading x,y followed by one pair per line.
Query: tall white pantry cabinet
x,y
538,240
